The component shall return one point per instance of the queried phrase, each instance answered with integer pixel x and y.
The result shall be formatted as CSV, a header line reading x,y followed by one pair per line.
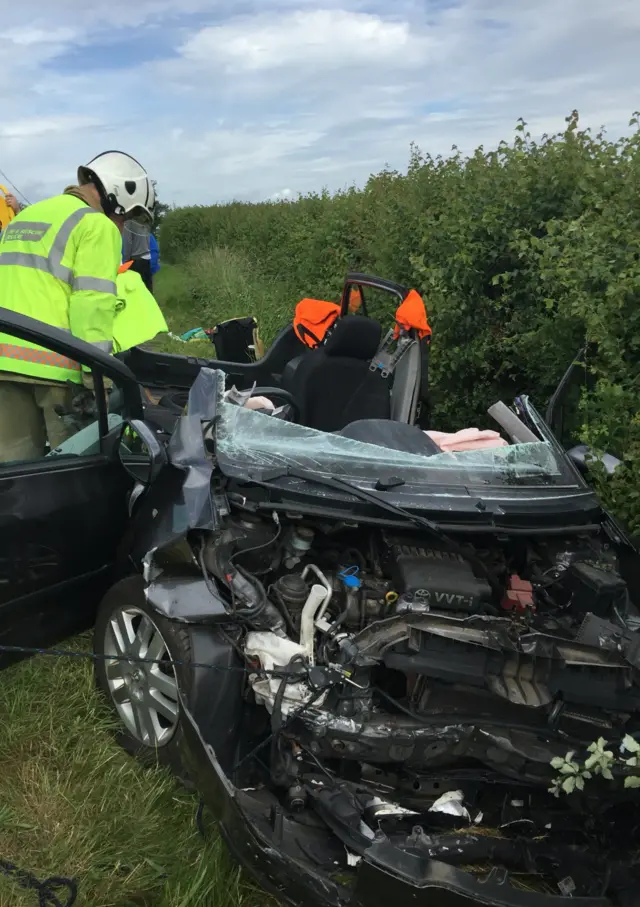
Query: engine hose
x,y
335,626
205,573
330,634
352,554
261,612
275,592
276,724
242,552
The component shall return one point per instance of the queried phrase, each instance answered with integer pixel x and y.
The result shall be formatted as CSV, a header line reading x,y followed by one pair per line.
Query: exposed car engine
x,y
397,649
378,714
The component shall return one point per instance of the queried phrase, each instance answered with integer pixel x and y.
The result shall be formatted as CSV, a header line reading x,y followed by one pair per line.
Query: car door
x,y
62,514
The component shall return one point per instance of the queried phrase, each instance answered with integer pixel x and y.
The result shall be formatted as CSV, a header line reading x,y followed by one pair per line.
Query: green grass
x,y
215,285
72,803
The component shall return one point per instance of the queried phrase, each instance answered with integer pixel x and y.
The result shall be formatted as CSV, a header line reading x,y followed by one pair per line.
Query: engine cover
x,y
428,579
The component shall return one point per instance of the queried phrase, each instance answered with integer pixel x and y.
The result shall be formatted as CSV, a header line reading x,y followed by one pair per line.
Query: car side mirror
x,y
141,452
582,454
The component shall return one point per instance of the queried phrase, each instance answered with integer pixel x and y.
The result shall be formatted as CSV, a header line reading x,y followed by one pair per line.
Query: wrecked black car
x,y
365,652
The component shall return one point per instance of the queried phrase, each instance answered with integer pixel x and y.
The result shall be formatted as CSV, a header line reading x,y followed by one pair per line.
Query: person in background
x,y
77,237
13,203
136,248
154,248
9,207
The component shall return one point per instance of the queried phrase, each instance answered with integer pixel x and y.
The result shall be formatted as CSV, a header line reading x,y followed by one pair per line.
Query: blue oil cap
x,y
350,578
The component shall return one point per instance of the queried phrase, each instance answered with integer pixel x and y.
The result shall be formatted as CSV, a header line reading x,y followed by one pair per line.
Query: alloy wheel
x,y
144,694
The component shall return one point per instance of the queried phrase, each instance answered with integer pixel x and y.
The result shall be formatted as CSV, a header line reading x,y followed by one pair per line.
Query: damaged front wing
x,y
275,850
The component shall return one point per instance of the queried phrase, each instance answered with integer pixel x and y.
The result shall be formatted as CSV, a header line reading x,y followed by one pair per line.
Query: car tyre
x,y
144,697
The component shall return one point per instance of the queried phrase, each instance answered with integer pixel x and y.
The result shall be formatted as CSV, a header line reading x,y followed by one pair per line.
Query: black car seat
x,y
286,348
288,377
334,385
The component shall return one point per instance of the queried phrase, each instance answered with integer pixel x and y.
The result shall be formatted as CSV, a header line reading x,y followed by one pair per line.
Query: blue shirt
x,y
155,254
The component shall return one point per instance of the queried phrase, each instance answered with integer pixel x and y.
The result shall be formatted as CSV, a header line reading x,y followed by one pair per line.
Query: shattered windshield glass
x,y
249,441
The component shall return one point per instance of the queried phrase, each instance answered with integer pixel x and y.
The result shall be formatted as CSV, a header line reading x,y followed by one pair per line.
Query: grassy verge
x,y
71,802
212,286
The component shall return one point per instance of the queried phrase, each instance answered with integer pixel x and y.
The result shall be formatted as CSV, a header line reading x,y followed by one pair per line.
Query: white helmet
x,y
123,183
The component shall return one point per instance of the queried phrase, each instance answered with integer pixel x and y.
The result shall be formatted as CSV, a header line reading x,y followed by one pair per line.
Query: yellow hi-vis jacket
x,y
138,318
58,263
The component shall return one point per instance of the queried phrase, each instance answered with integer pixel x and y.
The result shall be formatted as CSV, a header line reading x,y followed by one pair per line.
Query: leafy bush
x,y
523,254
573,774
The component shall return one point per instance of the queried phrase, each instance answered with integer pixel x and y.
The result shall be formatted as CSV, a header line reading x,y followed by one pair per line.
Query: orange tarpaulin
x,y
312,320
411,314
314,317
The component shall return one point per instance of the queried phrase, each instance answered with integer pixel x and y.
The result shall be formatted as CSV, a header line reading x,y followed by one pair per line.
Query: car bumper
x,y
385,877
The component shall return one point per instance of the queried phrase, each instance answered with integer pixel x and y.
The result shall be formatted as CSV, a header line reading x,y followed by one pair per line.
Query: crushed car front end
x,y
302,862
410,641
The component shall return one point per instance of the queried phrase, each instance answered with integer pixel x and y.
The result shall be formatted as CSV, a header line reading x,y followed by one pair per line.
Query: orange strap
x,y
312,320
411,315
125,267
39,357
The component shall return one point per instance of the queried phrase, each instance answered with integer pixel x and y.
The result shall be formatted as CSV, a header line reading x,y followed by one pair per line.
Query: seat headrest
x,y
355,337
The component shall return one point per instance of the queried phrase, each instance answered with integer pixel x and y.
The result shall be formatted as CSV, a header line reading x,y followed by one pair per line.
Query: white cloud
x,y
284,195
78,14
248,96
28,36
305,38
241,151
34,127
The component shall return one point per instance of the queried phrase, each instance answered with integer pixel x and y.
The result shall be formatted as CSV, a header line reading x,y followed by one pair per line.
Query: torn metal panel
x,y
186,599
181,498
187,451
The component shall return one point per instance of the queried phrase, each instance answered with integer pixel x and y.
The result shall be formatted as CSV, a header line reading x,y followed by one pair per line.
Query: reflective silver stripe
x,y
26,231
94,283
65,231
105,345
52,263
39,262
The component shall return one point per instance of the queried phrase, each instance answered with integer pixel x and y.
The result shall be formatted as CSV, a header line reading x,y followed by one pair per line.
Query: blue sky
x,y
260,99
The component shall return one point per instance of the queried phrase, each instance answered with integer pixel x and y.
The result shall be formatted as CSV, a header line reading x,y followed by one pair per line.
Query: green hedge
x,y
522,254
